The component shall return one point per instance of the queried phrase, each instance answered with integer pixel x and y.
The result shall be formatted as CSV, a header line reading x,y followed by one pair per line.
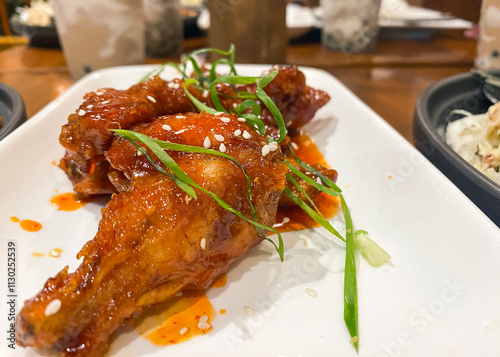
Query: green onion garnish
x,y
350,281
250,109
186,183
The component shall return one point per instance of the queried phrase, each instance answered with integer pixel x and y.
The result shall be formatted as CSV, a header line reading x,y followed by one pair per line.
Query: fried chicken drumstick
x,y
153,239
87,136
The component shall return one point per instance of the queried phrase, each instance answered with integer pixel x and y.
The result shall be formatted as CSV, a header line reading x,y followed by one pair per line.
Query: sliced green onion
x,y
200,150
246,104
318,218
350,281
268,102
186,188
301,190
201,106
158,71
312,170
311,181
371,251
181,177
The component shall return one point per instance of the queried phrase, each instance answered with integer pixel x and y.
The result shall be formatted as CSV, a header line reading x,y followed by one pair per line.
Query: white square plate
x,y
438,297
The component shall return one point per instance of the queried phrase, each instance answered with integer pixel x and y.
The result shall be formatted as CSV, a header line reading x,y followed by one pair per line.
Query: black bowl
x,y
12,110
39,36
464,91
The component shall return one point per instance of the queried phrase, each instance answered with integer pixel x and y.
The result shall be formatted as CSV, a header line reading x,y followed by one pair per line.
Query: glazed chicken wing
x,y
86,137
154,240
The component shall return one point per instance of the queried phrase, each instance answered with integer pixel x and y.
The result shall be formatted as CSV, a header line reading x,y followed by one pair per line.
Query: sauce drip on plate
x,y
66,202
27,224
178,320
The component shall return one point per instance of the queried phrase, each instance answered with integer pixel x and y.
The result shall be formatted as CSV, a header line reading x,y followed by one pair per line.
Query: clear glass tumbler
x,y
350,26
97,34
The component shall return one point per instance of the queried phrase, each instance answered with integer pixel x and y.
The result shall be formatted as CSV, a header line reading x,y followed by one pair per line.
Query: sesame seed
x,y
105,102
99,93
222,148
207,143
205,93
176,86
242,120
54,253
53,307
311,292
219,113
225,119
219,137
56,206
248,310
170,85
81,112
237,132
204,326
90,106
166,127
180,117
318,180
179,293
203,243
265,150
294,146
151,99
204,318
286,220
273,146
246,134
183,331
235,105
139,152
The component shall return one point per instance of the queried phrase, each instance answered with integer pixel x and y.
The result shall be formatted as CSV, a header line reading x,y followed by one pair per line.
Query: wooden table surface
x,y
389,80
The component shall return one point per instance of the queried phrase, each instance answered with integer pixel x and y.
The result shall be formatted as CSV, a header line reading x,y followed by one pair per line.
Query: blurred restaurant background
x,y
385,51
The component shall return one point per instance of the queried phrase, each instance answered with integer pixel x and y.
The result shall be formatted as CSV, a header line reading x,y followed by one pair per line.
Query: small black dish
x,y
464,91
12,110
39,36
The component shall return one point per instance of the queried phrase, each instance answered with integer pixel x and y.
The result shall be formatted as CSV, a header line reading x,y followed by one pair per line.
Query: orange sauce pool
x,y
67,202
178,319
307,151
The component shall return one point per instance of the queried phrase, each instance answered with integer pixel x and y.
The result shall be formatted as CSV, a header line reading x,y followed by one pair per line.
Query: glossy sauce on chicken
x,y
154,240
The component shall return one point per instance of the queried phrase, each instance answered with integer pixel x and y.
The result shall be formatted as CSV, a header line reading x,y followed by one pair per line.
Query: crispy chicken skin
x,y
86,136
153,239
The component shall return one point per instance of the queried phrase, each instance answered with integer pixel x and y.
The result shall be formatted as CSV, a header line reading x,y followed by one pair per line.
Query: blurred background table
x,y
389,80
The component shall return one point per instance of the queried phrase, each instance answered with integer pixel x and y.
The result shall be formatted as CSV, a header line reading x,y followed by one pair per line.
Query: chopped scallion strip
x,y
371,251
311,181
350,281
317,217
201,106
312,170
179,176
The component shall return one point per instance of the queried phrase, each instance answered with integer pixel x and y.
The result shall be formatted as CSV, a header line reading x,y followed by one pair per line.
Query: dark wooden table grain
x,y
389,80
